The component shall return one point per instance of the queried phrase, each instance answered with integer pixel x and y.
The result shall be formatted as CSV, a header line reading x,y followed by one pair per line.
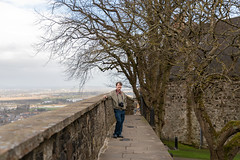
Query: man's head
x,y
119,85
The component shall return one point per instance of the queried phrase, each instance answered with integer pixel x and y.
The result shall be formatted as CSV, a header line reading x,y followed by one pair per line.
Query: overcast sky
x,y
19,66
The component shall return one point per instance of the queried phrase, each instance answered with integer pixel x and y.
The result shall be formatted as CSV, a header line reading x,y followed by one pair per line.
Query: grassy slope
x,y
186,151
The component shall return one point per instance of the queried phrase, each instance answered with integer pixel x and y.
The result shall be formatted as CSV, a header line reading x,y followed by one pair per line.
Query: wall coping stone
x,y
21,137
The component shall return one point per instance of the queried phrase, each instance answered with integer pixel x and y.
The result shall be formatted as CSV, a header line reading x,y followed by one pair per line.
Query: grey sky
x,y
19,68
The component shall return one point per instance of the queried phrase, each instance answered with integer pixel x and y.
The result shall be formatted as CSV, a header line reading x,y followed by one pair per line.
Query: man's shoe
x,y
120,136
115,136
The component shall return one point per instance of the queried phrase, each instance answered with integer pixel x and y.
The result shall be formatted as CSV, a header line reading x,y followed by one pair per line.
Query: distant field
x,y
49,106
21,98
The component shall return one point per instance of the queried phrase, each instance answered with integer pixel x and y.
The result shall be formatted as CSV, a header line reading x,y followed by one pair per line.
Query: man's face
x,y
119,87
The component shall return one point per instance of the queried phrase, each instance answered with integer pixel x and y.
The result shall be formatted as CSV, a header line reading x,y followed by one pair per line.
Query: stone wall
x,y
130,106
222,101
73,132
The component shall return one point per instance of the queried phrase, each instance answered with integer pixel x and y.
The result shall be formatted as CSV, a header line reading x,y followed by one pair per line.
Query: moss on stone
x,y
234,142
230,124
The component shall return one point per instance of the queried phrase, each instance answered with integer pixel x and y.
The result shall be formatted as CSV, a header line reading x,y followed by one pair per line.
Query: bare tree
x,y
125,36
143,40
208,39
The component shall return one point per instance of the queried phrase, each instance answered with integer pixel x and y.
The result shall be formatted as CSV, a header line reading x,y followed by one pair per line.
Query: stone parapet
x,y
76,131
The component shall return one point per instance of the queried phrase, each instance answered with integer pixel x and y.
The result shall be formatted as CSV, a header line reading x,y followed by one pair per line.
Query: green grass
x,y
186,151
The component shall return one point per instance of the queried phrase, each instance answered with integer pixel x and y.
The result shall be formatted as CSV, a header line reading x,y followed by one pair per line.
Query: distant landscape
x,y
18,104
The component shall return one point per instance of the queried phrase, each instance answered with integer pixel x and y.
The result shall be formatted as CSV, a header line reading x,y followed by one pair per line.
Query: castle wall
x,y
221,100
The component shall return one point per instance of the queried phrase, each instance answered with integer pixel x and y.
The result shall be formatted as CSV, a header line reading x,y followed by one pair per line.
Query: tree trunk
x,y
217,151
155,99
218,154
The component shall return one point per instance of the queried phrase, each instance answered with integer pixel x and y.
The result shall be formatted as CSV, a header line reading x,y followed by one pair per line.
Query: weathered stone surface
x,y
221,100
130,108
73,132
139,143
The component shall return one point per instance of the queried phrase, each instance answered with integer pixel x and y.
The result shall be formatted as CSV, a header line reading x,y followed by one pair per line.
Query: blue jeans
x,y
120,116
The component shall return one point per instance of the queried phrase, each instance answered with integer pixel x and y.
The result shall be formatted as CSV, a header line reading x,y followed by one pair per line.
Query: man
x,y
119,101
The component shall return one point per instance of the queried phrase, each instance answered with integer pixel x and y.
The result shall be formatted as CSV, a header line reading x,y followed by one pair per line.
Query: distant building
x,y
74,100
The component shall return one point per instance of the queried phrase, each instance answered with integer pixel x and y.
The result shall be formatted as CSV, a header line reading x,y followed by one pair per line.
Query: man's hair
x,y
119,83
